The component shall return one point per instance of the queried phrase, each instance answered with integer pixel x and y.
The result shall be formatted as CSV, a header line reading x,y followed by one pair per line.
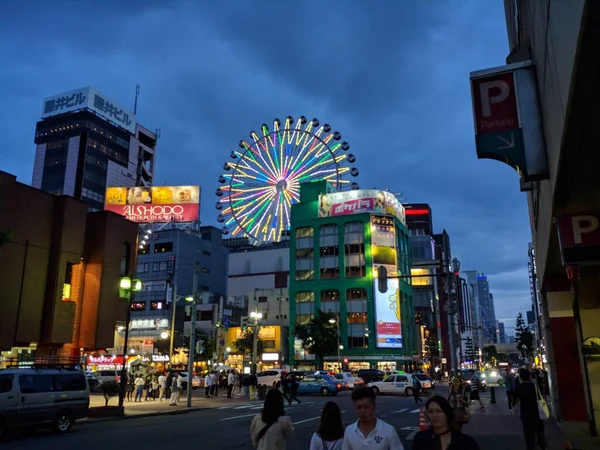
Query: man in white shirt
x,y
162,384
230,383
207,385
369,432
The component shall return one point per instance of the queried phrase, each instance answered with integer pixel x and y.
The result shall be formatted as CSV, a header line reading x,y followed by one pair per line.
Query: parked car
x,y
300,374
196,381
319,384
55,397
94,383
371,375
108,375
394,384
269,377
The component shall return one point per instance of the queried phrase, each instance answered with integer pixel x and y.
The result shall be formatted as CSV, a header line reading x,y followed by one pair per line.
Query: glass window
x,y
163,247
70,382
329,251
358,318
390,379
356,294
157,305
330,295
302,319
33,384
304,254
6,383
159,266
143,267
125,250
305,296
358,342
354,250
263,299
205,270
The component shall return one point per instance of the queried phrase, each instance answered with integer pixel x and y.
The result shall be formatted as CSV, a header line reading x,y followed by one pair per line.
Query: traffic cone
x,y
422,422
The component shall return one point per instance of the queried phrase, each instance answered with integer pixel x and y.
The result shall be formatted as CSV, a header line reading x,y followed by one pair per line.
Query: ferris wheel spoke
x,y
246,218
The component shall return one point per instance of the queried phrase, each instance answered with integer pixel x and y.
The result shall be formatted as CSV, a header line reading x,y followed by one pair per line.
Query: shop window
x,y
163,247
270,344
138,306
354,250
356,294
157,305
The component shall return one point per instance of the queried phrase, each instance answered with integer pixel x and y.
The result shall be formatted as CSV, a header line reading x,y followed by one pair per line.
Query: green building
x,y
337,241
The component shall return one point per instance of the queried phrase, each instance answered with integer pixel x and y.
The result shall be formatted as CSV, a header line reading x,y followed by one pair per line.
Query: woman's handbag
x,y
543,410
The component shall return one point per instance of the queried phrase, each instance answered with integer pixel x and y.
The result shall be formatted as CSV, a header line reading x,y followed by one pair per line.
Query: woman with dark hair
x,y
442,434
330,432
271,427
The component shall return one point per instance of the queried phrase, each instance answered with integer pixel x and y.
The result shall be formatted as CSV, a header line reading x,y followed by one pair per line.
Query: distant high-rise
x,y
486,300
502,333
86,142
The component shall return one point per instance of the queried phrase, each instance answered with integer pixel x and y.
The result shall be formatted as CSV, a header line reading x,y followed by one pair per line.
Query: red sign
x,y
416,212
387,328
157,213
495,103
580,230
105,360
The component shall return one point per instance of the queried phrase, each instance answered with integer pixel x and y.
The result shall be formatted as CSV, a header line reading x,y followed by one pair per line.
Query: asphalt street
x,y
222,427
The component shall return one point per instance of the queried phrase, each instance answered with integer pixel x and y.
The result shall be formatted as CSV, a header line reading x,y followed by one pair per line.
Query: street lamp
x,y
340,346
256,316
191,353
127,288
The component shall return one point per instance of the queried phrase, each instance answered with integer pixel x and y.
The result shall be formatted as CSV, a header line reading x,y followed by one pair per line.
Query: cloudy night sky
x,y
393,79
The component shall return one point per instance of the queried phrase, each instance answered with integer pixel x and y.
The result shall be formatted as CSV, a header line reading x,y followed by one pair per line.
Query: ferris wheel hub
x,y
281,185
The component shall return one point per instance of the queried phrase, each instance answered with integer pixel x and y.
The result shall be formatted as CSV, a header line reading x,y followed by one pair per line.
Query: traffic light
x,y
244,323
382,283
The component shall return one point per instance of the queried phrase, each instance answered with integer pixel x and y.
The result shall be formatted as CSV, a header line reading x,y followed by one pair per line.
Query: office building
x,y
86,143
335,253
60,277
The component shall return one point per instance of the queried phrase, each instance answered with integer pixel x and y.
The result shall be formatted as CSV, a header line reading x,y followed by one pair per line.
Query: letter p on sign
x,y
502,90
582,225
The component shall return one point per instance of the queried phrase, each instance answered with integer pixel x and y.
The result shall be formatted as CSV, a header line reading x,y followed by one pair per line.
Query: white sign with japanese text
x,y
89,98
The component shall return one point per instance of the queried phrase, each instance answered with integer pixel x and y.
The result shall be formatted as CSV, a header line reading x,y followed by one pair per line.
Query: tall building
x,y
166,268
85,143
477,311
61,270
486,301
502,333
335,254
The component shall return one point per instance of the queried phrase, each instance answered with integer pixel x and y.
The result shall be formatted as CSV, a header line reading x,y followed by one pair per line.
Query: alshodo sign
x,y
155,204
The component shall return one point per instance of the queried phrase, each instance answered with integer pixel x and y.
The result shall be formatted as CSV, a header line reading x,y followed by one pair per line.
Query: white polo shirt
x,y
382,437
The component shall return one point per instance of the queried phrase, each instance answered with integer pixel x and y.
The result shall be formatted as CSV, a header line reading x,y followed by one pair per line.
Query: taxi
x,y
395,383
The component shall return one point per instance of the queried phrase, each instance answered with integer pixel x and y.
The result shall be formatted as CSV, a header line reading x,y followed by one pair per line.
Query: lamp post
x,y
192,350
339,346
256,316
127,289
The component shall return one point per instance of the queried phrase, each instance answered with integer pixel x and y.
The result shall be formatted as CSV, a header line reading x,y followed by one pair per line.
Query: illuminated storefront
x,y
338,241
272,346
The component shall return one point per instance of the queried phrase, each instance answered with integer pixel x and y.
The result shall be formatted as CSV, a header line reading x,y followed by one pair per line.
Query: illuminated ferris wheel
x,y
262,180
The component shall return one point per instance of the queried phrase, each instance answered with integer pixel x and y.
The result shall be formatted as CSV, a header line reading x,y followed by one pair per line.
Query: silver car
x,y
55,397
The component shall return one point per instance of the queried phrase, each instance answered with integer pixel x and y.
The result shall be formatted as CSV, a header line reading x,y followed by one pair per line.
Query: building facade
x,y
61,270
488,310
86,143
333,261
166,268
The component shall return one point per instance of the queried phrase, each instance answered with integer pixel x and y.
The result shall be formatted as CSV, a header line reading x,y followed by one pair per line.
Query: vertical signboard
x,y
383,244
388,315
507,119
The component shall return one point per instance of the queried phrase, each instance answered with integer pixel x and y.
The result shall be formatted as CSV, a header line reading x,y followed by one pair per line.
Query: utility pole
x,y
172,334
219,325
254,345
192,350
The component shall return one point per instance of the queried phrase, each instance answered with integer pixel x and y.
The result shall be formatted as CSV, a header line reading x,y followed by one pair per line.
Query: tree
x,y
489,353
469,350
524,338
110,390
319,335
245,344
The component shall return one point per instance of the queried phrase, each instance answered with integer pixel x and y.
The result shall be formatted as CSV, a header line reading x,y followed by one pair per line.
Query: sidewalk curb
x,y
176,412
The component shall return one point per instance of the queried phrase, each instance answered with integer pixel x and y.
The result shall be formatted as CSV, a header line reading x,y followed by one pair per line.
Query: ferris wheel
x,y
262,180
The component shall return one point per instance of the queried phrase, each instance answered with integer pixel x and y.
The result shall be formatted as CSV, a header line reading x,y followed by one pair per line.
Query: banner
x,y
388,315
155,204
361,201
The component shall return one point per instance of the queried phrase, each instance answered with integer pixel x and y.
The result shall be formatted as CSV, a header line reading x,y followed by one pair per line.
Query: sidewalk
x,y
156,407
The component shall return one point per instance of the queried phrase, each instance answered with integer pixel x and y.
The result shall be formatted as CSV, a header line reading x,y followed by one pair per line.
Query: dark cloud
x,y
392,77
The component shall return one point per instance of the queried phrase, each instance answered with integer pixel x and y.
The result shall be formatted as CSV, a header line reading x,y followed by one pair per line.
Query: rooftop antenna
x,y
137,94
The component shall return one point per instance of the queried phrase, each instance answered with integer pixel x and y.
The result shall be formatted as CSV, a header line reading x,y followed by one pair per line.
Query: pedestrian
x,y
369,431
459,403
162,385
509,384
271,427
330,431
130,387
207,385
174,390
179,389
527,399
294,385
230,382
214,387
442,433
149,389
475,388
416,389
139,388
285,387
252,385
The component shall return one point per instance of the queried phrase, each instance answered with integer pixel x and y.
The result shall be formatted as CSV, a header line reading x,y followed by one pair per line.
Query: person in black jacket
x,y
442,434
527,399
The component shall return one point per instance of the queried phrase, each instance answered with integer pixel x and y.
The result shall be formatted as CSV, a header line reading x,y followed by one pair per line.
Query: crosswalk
x,y
249,409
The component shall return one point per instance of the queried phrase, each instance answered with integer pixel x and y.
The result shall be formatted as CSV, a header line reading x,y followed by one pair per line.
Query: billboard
x,y
383,244
360,201
388,315
155,204
89,98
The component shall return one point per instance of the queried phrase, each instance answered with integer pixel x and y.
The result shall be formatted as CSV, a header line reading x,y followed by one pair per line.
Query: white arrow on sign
x,y
509,144
409,428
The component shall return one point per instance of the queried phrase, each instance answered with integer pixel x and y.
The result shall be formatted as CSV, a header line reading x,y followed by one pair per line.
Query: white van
x,y
56,397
